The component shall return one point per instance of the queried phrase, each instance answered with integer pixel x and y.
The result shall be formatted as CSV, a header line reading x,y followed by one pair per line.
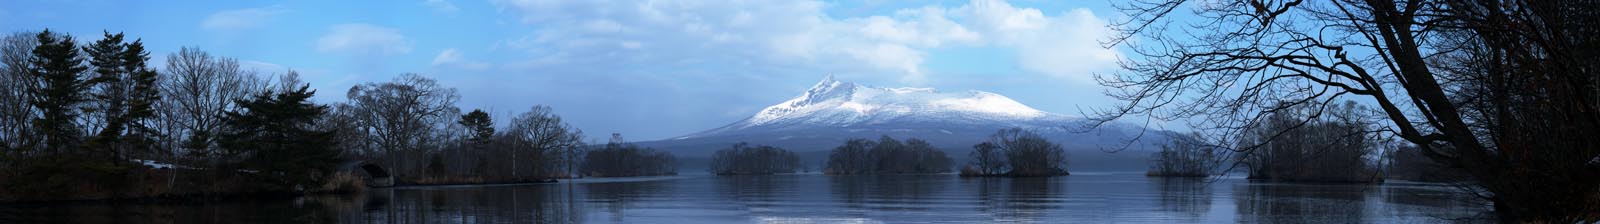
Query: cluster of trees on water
x,y
1501,91
1018,153
95,121
619,158
886,156
1187,156
743,159
1337,146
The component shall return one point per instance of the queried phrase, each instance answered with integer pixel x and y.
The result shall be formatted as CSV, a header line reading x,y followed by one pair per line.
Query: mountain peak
x,y
832,102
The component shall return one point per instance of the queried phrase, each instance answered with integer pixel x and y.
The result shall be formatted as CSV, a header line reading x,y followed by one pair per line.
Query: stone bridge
x,y
373,174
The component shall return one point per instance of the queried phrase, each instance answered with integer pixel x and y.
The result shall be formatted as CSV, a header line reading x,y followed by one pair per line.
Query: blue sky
x,y
647,69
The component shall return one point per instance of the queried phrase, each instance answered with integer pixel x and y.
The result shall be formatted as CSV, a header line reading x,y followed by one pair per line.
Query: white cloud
x,y
241,18
261,66
363,39
453,57
1066,46
892,57
800,34
443,6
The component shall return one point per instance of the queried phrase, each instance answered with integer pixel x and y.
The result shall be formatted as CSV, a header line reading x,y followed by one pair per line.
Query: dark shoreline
x,y
224,197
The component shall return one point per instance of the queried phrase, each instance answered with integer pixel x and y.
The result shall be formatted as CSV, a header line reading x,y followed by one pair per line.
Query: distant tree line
x,y
619,158
886,156
1018,153
88,121
743,159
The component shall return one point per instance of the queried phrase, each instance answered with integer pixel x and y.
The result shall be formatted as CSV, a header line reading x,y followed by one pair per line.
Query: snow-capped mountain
x,y
832,103
834,111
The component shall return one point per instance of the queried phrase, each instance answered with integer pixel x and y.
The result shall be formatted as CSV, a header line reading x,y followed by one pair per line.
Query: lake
x,y
813,198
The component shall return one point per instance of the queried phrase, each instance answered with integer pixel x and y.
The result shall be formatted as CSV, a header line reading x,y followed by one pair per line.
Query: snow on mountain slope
x,y
832,103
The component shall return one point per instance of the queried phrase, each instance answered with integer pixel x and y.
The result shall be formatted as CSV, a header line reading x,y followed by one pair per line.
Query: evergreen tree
x,y
56,63
125,94
273,133
480,126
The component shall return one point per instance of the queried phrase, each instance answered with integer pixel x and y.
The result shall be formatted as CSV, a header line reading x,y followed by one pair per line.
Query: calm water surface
x,y
812,198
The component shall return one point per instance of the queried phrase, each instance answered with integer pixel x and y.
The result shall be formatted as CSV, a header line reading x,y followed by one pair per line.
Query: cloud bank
x,y
801,34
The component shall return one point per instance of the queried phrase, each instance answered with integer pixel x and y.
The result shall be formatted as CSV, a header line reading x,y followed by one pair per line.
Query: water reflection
x,y
1300,203
516,204
1423,200
617,197
757,191
1018,199
888,192
1189,198
815,199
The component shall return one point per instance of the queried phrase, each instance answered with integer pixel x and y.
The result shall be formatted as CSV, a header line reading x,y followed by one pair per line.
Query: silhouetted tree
x,y
850,158
273,135
198,89
17,85
1029,154
1185,156
403,117
620,159
926,158
742,159
887,156
1333,148
986,159
539,137
480,128
123,96
1502,90
56,63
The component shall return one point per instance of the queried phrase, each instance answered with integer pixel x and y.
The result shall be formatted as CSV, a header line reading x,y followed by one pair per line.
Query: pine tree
x,y
480,126
273,134
59,67
140,114
115,65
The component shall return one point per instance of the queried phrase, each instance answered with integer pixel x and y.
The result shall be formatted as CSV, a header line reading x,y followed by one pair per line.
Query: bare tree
x,y
1030,154
16,116
619,158
199,88
850,158
403,115
1186,156
743,159
543,138
886,156
1333,148
986,159
1499,89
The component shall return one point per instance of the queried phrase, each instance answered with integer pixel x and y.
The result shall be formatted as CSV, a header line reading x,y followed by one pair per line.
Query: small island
x,y
886,156
743,159
1015,152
